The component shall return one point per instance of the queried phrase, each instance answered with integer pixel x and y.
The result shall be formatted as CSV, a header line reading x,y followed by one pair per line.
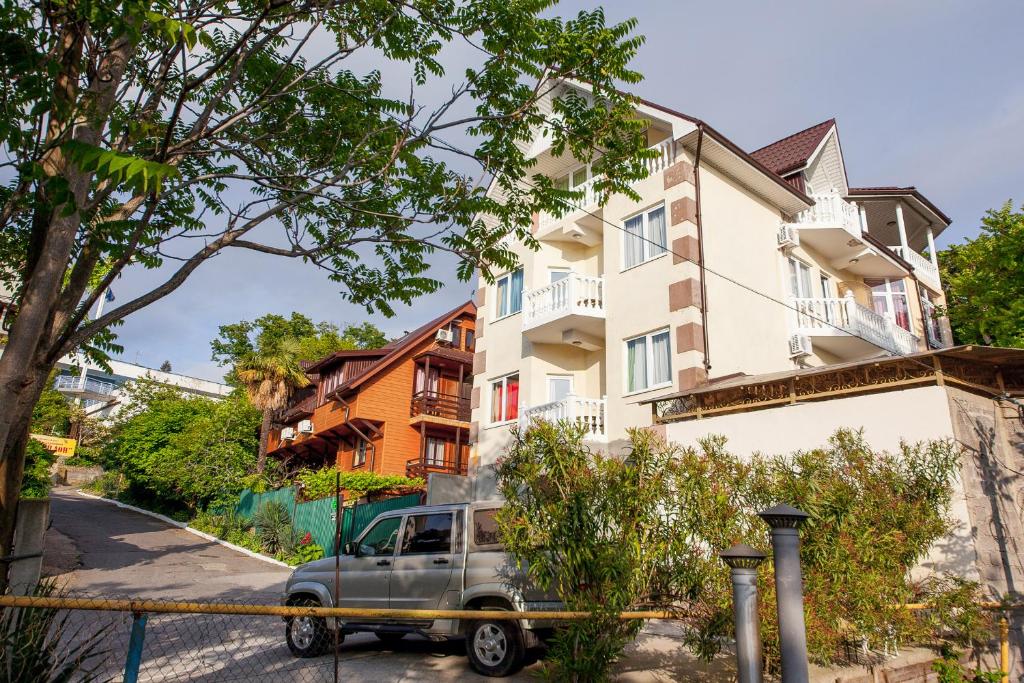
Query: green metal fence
x,y
317,516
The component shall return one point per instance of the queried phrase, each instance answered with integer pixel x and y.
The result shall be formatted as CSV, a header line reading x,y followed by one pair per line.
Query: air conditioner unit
x,y
305,426
789,236
799,346
444,335
287,434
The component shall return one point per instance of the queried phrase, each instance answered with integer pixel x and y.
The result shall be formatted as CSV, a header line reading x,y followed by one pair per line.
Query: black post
x,y
743,561
785,522
338,509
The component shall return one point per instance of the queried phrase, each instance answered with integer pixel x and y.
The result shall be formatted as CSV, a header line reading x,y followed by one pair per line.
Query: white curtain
x,y
656,232
634,241
636,364
662,358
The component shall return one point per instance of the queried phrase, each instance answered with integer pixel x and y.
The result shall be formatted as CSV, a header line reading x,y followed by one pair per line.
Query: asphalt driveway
x,y
124,554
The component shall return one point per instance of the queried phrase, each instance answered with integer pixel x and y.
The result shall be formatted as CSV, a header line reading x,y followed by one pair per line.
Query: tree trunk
x,y
261,459
18,397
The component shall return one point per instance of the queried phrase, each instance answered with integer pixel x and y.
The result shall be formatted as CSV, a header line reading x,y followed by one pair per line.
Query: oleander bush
x,y
610,533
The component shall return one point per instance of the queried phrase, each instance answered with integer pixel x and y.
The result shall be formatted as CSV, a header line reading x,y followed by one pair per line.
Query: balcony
x,y
568,311
421,467
588,413
432,404
846,329
923,267
582,222
93,388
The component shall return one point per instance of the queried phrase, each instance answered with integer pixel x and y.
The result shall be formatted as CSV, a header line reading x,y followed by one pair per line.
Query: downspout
x,y
348,410
700,249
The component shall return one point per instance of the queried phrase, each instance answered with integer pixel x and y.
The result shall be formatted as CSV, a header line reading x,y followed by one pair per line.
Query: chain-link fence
x,y
76,638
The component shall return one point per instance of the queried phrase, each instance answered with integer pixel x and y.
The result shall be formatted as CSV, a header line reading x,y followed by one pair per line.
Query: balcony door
x,y
559,387
429,383
889,298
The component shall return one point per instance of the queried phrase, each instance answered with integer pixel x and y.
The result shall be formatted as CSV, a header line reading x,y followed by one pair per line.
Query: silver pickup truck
x,y
435,557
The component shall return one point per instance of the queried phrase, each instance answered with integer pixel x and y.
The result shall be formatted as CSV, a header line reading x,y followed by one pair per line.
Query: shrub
x,y
39,644
609,533
318,484
274,529
36,482
108,485
305,551
220,524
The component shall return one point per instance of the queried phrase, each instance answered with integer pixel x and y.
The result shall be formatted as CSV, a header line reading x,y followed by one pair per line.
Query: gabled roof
x,y
394,351
330,360
792,152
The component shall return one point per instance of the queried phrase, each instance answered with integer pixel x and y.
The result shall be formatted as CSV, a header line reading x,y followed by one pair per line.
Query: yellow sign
x,y
56,444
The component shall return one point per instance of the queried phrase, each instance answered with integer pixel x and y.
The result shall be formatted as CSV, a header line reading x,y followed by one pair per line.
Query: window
x,y
470,340
427,534
556,274
505,399
434,451
381,538
359,458
932,328
648,361
510,293
559,386
645,237
890,300
456,336
799,279
485,528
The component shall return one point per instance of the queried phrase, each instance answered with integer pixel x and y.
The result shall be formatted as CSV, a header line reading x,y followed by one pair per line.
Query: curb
x,y
186,527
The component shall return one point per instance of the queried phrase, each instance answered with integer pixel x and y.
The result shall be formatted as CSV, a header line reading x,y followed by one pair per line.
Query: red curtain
x,y
512,398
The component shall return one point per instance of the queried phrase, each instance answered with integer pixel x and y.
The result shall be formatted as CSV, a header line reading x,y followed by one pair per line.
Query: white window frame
x,y
649,359
490,405
800,263
646,242
508,295
359,456
564,270
556,376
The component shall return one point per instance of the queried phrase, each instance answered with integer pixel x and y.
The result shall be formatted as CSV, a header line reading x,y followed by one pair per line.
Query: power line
x,y
571,206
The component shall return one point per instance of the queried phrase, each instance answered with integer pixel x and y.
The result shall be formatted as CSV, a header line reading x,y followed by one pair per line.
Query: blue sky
x,y
926,93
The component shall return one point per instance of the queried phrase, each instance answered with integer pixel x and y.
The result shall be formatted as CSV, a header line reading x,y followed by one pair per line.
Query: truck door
x,y
366,577
423,567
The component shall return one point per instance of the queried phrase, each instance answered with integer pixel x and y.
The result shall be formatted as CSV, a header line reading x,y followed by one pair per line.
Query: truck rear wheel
x,y
495,647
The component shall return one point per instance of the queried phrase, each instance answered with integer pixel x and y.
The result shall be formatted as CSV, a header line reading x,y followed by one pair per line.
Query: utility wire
x,y
571,206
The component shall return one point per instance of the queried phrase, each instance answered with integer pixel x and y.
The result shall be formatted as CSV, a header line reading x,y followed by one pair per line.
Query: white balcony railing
x,y
73,383
588,413
837,316
922,266
666,157
830,210
574,294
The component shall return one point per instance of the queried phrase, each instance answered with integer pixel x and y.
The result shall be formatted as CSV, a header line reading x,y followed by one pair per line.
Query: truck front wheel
x,y
495,647
307,636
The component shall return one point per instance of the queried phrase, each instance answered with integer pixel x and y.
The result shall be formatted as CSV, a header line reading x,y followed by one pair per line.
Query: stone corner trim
x,y
690,378
479,362
474,398
683,294
684,209
480,297
685,249
681,172
690,337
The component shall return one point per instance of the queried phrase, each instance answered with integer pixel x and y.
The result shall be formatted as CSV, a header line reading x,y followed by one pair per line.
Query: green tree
x,y
52,413
315,340
984,282
269,376
185,451
130,129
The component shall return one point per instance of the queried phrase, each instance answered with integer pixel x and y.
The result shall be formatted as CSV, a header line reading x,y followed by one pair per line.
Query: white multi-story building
x,y
730,262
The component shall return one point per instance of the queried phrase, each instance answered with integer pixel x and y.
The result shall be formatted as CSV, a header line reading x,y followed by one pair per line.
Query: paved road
x,y
126,554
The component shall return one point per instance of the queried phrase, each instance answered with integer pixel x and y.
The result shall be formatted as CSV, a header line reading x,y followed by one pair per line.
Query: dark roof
x,y
792,153
394,350
892,191
327,361
732,147
456,355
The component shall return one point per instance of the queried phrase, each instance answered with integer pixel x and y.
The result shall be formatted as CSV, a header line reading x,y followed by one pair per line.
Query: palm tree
x,y
269,377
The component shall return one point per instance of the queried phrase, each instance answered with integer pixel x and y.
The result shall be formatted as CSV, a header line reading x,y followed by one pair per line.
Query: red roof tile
x,y
792,152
